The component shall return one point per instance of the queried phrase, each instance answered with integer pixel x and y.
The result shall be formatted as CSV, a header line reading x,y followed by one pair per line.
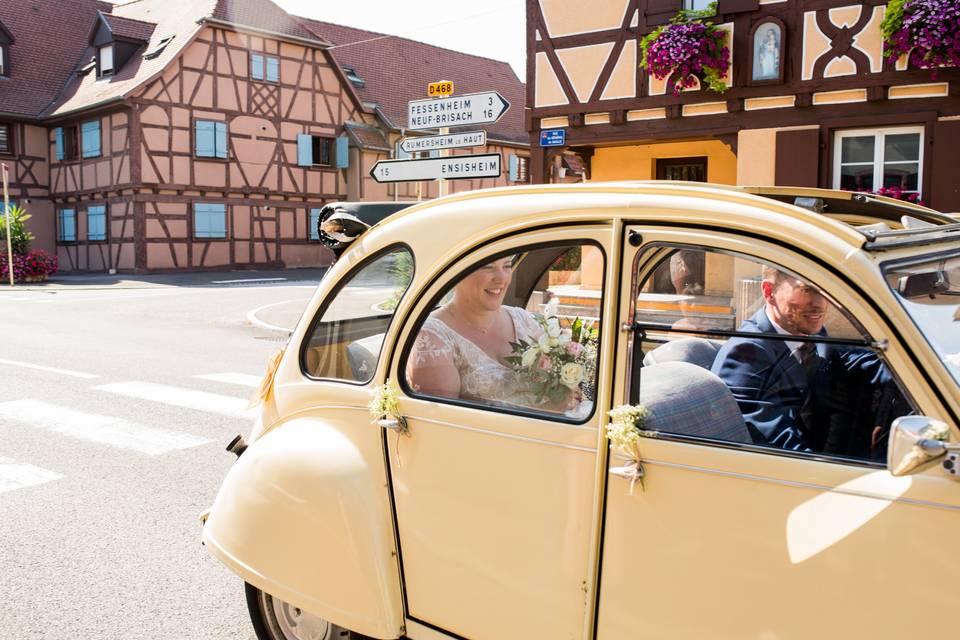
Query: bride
x,y
460,350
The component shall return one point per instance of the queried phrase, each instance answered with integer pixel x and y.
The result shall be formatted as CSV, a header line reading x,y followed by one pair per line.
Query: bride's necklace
x,y
481,330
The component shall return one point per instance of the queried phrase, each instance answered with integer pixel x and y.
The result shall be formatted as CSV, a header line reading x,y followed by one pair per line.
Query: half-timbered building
x,y
810,100
189,134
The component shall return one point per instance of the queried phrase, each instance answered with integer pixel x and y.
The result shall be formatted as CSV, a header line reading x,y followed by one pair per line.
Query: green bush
x,y
20,238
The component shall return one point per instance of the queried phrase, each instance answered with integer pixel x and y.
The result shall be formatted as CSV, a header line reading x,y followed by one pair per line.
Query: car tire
x,y
274,619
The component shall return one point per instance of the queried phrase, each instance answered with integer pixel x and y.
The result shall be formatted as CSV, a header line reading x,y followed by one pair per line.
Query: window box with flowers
x,y
689,49
927,32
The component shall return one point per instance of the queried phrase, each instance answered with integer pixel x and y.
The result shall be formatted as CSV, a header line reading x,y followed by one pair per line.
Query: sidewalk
x,y
86,281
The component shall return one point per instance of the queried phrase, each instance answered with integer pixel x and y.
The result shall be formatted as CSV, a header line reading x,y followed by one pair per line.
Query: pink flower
x,y
574,349
544,363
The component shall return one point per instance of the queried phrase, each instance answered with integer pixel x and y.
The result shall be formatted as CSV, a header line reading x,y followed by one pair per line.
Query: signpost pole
x,y
6,213
443,154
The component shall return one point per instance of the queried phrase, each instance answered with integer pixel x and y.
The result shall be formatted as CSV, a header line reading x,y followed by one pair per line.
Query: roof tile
x,y
129,28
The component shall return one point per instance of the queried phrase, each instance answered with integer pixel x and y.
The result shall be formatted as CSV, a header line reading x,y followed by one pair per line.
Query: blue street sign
x,y
553,138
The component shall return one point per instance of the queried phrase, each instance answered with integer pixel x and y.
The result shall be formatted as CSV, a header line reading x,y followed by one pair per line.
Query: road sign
x,y
450,141
471,108
553,138
484,165
440,89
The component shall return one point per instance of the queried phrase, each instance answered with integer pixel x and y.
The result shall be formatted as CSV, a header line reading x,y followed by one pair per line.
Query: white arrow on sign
x,y
484,165
470,108
451,141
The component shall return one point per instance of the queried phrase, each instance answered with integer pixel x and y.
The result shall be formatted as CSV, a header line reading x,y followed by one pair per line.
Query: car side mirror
x,y
914,441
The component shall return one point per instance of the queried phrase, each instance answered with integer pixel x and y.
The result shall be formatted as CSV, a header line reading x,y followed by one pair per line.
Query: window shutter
x,y
660,11
313,226
514,168
218,224
68,225
256,66
90,135
58,137
304,150
97,222
798,158
220,129
343,153
401,154
273,70
205,138
945,190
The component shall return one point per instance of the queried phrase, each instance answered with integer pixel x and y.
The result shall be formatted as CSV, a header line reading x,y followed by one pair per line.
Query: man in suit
x,y
772,378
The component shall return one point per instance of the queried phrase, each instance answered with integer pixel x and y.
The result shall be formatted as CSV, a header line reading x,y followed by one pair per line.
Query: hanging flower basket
x,y
926,31
689,51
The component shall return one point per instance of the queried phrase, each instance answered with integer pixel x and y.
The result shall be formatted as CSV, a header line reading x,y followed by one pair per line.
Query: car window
x,y
517,333
345,339
734,349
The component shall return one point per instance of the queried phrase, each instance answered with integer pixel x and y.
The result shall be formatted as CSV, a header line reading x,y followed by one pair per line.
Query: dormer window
x,y
105,58
354,77
5,41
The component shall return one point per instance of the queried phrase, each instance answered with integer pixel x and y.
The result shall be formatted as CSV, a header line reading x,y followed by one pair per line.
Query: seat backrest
x,y
698,351
363,355
687,399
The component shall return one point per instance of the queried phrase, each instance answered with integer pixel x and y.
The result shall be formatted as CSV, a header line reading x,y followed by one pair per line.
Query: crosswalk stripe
x,y
181,397
242,379
92,427
16,475
66,372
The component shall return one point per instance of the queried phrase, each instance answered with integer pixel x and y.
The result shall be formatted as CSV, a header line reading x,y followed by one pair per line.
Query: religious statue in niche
x,y
767,49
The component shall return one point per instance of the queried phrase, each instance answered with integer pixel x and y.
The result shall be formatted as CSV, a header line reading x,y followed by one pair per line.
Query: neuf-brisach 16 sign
x,y
471,108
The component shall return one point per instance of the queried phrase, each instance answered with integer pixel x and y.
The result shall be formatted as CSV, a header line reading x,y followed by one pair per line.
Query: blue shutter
x,y
58,136
220,129
256,66
401,154
68,225
314,220
273,70
343,153
97,222
514,168
209,220
304,150
205,138
90,132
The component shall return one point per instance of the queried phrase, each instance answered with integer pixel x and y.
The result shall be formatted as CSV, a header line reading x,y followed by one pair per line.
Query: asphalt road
x,y
116,400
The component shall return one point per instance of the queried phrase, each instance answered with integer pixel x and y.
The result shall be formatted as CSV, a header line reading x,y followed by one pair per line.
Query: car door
x,y
726,538
494,495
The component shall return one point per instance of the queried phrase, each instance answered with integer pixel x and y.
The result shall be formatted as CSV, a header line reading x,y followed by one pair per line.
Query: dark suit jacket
x,y
770,385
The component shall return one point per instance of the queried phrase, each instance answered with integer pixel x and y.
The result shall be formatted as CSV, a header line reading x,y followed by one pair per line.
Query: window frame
x,y
4,60
102,213
206,238
328,299
105,72
260,66
463,271
639,332
879,135
331,146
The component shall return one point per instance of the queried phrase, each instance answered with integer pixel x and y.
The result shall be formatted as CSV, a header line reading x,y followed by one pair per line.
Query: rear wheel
x,y
274,619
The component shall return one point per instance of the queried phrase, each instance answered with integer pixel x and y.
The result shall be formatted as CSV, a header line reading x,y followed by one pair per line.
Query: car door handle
x,y
393,424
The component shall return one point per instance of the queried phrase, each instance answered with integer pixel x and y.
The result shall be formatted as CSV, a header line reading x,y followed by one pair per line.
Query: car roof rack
x,y
898,238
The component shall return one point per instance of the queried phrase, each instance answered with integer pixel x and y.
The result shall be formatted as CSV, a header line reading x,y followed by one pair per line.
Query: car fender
x,y
304,516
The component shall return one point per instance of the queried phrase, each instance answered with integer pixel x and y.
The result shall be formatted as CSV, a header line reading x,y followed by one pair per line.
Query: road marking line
x,y
181,397
249,280
66,372
242,379
16,475
257,322
102,429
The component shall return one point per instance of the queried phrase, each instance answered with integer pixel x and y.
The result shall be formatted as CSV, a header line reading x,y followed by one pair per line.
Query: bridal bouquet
x,y
559,361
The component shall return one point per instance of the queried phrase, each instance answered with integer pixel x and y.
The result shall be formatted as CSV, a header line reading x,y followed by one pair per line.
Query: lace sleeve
x,y
526,325
433,345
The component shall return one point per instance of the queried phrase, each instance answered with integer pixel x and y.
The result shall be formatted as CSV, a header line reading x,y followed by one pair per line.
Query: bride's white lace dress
x,y
482,378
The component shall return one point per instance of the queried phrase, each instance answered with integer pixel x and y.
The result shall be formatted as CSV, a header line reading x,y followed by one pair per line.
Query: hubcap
x,y
297,624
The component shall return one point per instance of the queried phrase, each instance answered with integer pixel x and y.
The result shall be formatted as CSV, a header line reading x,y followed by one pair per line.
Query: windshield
x,y
929,289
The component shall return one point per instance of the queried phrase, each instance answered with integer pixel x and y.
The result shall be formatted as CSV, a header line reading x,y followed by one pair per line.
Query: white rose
x,y
565,336
544,342
529,357
571,374
553,328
